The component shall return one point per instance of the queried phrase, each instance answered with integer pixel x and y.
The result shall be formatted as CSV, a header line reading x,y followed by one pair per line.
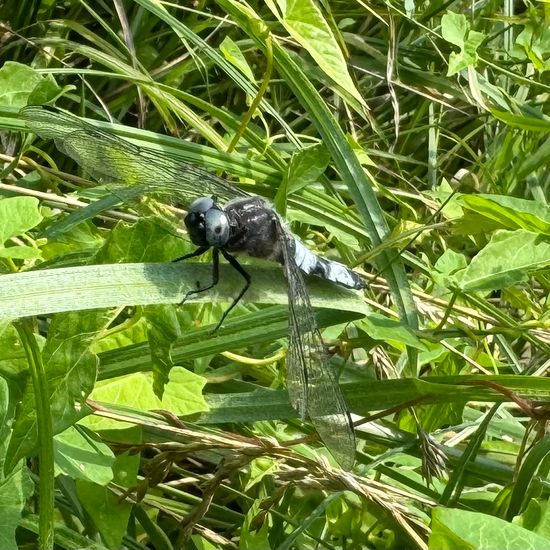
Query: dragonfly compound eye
x,y
194,221
201,205
217,227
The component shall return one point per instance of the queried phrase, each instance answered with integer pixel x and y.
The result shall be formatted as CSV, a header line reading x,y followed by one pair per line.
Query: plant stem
x,y
45,435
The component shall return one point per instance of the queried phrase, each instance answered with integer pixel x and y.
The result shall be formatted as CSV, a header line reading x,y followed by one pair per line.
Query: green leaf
x,y
20,252
233,54
71,370
17,81
182,395
306,167
47,90
523,121
82,455
536,517
18,215
14,492
98,286
13,360
535,40
511,212
163,329
454,529
508,259
388,330
303,20
109,512
467,57
447,265
253,538
455,29
143,241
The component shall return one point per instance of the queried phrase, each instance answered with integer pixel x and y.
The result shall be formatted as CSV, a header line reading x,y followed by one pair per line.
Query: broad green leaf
x,y
134,333
511,212
233,54
18,215
306,167
13,360
446,197
143,241
71,370
82,238
304,21
473,223
182,395
148,241
454,529
455,29
435,417
82,455
14,492
468,56
17,81
449,263
508,259
47,90
390,331
109,512
20,252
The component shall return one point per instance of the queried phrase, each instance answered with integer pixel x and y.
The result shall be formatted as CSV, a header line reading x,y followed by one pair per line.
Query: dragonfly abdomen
x,y
312,264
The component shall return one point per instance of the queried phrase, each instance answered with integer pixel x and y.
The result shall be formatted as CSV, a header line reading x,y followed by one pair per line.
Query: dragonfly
x,y
230,222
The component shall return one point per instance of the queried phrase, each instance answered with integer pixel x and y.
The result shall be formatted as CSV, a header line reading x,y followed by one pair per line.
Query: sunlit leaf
x,y
509,258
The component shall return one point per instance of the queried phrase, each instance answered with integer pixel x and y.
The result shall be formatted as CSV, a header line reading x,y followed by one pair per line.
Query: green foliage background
x,y
410,141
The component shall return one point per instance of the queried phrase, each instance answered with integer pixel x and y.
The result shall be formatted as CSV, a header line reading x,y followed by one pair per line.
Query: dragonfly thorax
x,y
207,223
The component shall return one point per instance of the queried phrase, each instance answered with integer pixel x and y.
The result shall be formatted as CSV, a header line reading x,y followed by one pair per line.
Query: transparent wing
x,y
312,388
110,159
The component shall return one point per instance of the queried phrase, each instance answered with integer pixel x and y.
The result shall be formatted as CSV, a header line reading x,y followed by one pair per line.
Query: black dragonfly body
x,y
244,225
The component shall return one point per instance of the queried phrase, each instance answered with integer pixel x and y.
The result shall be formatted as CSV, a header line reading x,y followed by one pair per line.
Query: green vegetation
x,y
410,141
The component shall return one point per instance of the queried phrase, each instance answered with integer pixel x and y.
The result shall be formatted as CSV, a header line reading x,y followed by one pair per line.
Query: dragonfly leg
x,y
199,252
246,276
215,272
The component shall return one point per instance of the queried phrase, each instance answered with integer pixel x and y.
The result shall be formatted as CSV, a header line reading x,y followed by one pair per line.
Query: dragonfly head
x,y
207,223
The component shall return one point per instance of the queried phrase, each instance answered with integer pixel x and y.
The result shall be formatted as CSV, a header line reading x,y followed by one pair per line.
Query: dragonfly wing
x,y
312,388
111,159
